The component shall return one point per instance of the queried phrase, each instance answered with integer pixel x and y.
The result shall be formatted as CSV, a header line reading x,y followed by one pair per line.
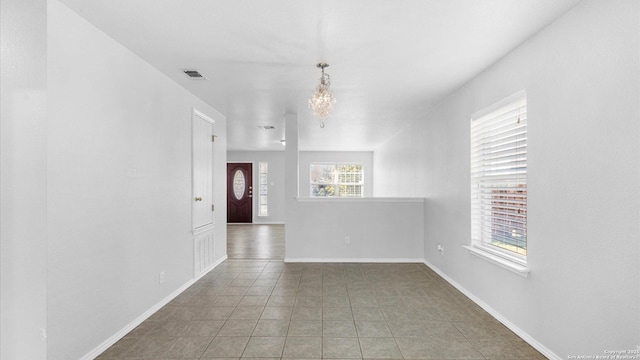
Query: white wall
x,y
23,179
581,75
362,157
380,230
119,185
275,194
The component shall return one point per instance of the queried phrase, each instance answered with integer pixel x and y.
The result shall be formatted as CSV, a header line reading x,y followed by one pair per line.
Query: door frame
x,y
252,199
208,119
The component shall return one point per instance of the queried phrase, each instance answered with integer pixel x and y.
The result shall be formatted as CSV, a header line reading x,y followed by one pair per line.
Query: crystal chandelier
x,y
322,100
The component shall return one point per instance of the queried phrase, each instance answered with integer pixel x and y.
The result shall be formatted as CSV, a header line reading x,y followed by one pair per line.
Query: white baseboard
x,y
521,333
211,267
132,325
354,260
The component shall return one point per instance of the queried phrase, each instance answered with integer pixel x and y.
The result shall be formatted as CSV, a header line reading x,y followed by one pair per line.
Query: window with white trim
x,y
499,179
336,180
263,201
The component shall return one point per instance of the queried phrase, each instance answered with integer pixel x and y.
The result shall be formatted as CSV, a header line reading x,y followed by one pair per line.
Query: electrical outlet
x,y
347,240
161,277
441,249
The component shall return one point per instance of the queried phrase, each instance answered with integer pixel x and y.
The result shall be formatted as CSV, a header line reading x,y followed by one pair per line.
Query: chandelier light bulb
x,y
322,100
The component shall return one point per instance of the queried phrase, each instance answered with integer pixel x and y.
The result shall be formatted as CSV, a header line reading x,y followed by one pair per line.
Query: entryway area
x,y
239,193
255,241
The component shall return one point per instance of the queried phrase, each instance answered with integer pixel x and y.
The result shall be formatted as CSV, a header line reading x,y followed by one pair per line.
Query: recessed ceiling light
x,y
194,74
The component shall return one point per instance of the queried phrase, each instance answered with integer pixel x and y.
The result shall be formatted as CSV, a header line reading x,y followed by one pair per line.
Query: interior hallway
x,y
255,241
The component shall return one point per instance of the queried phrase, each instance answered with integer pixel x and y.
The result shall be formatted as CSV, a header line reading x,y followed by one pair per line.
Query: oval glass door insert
x,y
238,184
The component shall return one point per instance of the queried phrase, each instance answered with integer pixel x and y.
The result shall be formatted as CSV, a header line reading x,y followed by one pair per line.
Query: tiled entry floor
x,y
269,309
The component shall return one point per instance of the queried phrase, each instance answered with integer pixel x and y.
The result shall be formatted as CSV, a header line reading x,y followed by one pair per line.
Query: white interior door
x,y
202,197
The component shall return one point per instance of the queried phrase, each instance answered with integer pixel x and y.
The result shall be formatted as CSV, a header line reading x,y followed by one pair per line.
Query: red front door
x,y
239,193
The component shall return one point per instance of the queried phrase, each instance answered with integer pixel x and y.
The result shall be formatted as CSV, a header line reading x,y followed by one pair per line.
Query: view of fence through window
x,y
509,219
336,180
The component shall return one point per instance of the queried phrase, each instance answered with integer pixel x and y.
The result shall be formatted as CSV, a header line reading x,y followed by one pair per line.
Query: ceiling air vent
x,y
266,127
194,74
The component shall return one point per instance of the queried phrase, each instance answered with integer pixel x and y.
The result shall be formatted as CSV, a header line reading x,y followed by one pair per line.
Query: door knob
x,y
198,198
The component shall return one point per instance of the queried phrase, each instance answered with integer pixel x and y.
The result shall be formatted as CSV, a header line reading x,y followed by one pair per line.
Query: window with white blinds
x,y
499,179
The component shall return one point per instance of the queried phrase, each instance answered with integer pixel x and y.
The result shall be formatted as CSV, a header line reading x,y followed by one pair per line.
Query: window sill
x,y
500,261
360,199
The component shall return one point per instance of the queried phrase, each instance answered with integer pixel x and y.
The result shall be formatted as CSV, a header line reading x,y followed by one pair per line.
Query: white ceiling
x,y
389,60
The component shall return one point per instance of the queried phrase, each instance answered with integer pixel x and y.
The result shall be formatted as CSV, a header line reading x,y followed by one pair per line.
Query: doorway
x,y
202,196
202,171
239,193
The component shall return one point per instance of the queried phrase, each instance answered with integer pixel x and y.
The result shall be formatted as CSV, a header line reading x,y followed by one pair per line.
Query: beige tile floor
x,y
271,310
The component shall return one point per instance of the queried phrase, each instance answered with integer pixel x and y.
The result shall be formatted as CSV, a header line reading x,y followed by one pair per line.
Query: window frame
x,y
263,188
515,172
335,181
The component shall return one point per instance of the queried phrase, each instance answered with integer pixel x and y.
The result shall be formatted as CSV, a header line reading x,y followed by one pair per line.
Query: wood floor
x,y
255,241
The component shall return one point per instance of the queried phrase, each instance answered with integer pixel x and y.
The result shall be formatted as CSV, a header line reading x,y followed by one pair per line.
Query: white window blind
x,y
499,178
